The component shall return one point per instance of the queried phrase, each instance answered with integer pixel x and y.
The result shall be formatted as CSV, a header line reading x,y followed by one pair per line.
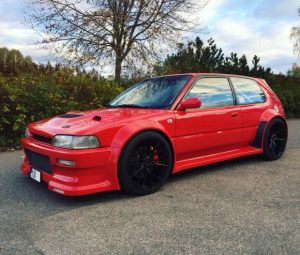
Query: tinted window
x,y
213,92
152,93
247,91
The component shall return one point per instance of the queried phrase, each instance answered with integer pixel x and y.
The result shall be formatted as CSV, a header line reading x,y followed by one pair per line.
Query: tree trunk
x,y
118,69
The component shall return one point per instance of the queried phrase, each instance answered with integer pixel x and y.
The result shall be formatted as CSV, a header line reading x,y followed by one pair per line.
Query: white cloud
x,y
14,34
240,27
245,27
14,31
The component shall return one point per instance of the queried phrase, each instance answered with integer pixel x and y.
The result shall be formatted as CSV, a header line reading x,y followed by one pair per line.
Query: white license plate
x,y
35,174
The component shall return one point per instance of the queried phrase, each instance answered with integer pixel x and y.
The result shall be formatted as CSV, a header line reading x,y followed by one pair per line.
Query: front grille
x,y
42,139
39,161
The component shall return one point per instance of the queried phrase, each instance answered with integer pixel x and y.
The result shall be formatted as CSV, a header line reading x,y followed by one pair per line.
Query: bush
x,y
30,92
34,96
288,91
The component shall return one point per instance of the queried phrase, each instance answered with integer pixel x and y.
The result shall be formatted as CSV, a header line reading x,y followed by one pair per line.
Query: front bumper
x,y
95,170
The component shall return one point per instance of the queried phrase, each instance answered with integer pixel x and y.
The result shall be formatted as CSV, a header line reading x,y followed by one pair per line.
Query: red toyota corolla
x,y
157,127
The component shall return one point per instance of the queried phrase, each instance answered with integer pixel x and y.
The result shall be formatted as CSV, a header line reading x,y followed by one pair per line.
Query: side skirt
x,y
205,160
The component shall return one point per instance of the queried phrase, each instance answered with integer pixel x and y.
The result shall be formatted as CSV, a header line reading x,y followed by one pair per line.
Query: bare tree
x,y
93,31
295,36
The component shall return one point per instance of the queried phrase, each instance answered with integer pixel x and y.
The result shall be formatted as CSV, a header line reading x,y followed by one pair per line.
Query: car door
x,y
214,127
253,102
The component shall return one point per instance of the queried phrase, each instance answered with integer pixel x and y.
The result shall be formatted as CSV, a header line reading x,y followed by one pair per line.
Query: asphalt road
x,y
243,206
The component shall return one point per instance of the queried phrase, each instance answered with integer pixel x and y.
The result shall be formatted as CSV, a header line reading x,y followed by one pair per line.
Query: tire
x,y
275,139
145,164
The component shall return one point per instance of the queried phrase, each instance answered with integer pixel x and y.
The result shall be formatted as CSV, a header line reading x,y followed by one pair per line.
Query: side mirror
x,y
190,103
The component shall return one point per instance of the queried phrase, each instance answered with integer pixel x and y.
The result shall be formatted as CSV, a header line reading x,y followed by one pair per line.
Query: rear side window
x,y
247,91
212,92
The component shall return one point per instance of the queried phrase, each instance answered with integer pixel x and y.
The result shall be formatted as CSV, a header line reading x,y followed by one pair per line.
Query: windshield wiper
x,y
126,106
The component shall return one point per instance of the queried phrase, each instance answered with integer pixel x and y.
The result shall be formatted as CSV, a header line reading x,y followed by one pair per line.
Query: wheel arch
x,y
266,118
155,130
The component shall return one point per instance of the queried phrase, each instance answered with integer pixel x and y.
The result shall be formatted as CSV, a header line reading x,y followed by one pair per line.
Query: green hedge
x,y
49,91
288,91
29,97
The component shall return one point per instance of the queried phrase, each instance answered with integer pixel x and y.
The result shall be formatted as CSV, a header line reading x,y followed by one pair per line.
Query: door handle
x,y
234,114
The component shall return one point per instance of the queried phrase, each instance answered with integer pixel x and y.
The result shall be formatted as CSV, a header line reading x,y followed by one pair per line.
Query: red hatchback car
x,y
157,127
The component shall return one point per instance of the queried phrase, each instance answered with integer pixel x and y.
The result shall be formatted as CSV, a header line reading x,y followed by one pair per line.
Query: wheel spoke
x,y
278,145
270,145
146,176
136,172
280,131
272,148
141,178
159,164
150,179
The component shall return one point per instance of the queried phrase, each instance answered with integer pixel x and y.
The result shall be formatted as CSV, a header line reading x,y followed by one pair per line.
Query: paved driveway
x,y
243,206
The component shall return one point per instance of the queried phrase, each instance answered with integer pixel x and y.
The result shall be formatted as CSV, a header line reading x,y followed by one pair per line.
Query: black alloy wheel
x,y
145,164
275,139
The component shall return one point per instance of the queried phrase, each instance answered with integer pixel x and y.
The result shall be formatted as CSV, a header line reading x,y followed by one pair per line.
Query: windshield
x,y
152,93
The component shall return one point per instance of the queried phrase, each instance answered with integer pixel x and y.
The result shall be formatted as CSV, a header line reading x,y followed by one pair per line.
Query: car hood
x,y
90,122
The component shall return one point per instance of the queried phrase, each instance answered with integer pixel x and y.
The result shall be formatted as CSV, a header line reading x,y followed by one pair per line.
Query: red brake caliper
x,y
155,155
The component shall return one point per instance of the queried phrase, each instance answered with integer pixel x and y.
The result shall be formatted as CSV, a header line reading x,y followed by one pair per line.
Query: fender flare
x,y
266,118
125,134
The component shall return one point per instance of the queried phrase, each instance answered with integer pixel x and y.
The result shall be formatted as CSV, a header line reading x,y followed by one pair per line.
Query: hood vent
x,y
97,118
69,115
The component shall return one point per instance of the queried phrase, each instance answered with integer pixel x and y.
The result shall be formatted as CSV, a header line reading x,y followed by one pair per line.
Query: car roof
x,y
210,74
260,81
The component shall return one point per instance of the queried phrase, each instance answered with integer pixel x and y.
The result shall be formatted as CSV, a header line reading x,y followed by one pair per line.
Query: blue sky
x,y
260,27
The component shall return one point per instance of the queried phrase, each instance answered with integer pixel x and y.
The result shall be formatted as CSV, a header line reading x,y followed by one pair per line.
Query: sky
x,y
260,27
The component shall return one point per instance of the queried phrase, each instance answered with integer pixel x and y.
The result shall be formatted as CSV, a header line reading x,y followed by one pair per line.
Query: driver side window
x,y
212,92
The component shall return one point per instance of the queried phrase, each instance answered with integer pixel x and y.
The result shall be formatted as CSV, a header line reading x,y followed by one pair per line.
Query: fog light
x,y
58,191
66,162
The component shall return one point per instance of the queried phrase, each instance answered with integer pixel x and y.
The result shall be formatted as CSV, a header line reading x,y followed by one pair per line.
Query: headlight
x,y
27,133
75,142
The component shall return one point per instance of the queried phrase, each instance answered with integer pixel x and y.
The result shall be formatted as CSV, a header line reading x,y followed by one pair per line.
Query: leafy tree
x,y
13,62
93,31
295,36
295,71
196,56
193,57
